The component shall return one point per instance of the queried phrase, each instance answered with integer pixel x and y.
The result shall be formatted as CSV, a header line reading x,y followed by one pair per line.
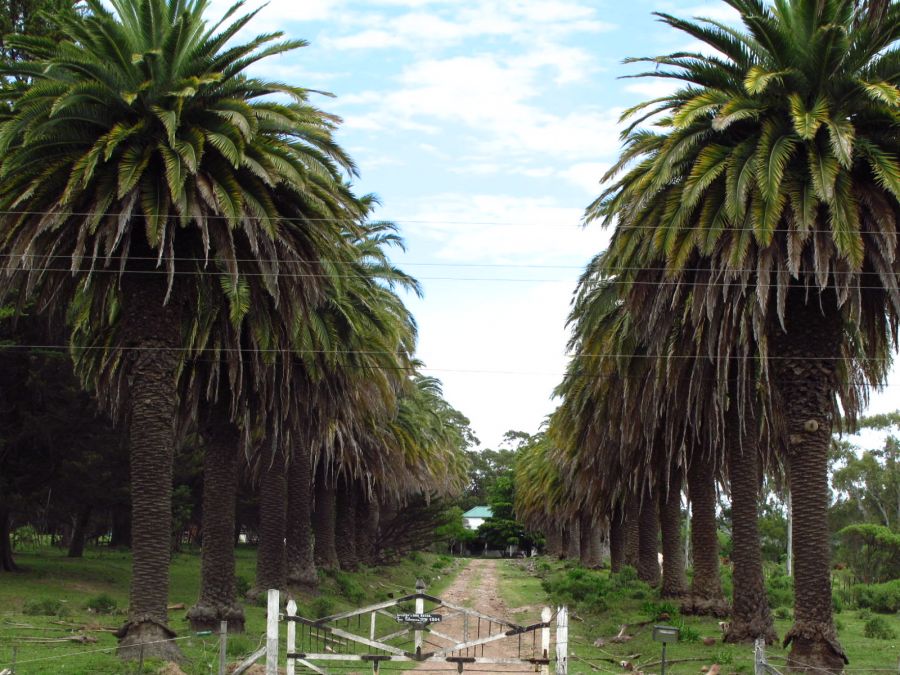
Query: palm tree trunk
x,y
751,618
218,592
573,539
367,526
553,537
674,582
323,522
706,585
121,528
616,540
805,374
79,532
301,566
154,330
589,549
345,525
631,525
270,560
648,539
7,564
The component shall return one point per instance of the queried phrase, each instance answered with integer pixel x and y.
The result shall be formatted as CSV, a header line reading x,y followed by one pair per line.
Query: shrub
x,y
416,558
101,604
687,633
578,587
864,615
884,598
878,629
659,611
780,590
873,551
241,586
45,607
837,604
349,588
783,613
322,606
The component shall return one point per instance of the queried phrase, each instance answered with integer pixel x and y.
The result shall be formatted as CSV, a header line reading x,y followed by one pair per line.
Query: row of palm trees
x,y
747,302
194,228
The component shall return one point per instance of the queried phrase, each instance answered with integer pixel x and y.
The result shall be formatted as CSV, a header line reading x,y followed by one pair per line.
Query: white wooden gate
x,y
420,628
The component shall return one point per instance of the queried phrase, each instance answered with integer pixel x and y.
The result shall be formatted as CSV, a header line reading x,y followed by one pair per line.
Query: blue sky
x,y
484,127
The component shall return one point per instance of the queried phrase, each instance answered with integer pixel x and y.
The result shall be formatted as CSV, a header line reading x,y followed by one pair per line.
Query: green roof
x,y
478,512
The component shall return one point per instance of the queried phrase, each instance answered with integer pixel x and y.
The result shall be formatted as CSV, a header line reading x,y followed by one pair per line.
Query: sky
x,y
484,127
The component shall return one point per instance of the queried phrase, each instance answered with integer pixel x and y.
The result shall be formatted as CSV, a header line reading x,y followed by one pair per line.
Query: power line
x,y
349,352
325,275
416,221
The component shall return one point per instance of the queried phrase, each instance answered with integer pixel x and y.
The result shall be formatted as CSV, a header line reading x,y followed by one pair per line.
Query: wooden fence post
x,y
272,632
545,639
562,641
223,645
420,609
291,636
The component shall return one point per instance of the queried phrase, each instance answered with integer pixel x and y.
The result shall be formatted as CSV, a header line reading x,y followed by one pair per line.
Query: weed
x,y
349,587
783,613
878,629
659,611
241,585
687,633
45,607
101,604
322,606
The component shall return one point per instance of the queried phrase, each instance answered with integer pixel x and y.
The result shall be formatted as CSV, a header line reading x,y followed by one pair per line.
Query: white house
x,y
475,516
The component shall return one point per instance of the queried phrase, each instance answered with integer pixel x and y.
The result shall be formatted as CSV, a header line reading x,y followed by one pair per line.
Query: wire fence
x,y
214,652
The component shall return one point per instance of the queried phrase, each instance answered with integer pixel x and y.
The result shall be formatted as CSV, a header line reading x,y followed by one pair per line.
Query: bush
x,y
864,615
416,558
783,613
349,588
687,633
878,629
101,604
780,590
837,604
873,551
241,586
659,611
883,598
322,606
578,587
45,607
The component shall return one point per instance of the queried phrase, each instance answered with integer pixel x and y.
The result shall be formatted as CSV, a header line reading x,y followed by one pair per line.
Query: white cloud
x,y
653,87
502,229
495,98
586,175
718,11
432,25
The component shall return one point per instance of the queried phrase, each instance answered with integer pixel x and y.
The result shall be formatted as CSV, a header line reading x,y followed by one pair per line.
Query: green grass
x,y
519,587
63,587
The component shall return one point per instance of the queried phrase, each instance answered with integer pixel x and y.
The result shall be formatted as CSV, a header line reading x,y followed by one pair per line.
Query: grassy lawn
x,y
520,587
49,601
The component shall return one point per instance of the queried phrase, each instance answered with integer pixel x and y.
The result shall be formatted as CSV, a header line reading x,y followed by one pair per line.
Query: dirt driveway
x,y
478,587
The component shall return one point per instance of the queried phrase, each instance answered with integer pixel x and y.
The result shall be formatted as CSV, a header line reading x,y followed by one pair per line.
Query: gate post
x,y
291,646
545,639
562,641
420,609
272,633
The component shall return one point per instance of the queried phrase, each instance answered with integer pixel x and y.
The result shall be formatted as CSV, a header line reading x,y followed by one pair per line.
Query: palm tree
x,y
136,159
777,164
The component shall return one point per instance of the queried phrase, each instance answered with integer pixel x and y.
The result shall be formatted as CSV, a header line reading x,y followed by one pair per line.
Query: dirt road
x,y
478,587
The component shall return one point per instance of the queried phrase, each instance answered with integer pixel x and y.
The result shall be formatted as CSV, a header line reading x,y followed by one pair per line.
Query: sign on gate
x,y
466,637
419,618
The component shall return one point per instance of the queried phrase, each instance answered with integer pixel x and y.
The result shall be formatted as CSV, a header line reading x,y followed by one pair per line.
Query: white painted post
x,y
545,639
790,534
372,627
562,641
420,609
291,637
223,645
272,633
